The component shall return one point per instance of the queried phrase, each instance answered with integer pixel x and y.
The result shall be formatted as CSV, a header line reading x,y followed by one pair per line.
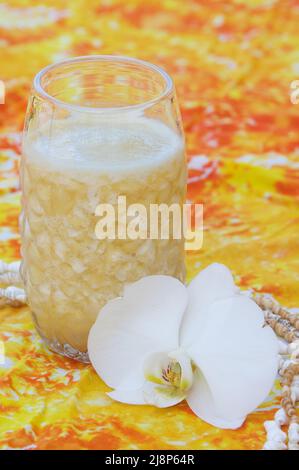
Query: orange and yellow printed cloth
x,y
232,62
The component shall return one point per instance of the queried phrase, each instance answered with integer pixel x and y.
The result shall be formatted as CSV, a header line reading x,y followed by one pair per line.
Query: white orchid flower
x,y
163,342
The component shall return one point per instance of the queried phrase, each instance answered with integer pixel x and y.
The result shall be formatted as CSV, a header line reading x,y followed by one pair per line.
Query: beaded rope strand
x,y
13,295
286,325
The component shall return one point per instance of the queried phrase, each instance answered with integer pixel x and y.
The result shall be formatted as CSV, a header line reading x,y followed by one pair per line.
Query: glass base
x,y
67,351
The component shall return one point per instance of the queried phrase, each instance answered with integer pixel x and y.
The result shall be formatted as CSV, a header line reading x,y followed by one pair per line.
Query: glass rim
x,y
41,92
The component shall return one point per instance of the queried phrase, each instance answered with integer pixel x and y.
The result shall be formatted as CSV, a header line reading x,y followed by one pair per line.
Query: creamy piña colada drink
x,y
70,166
70,274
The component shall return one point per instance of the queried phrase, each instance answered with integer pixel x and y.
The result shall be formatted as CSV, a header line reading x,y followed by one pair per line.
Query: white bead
x,y
281,418
15,266
273,445
294,393
284,366
293,446
281,362
268,301
9,267
13,294
10,273
283,347
274,433
293,346
293,433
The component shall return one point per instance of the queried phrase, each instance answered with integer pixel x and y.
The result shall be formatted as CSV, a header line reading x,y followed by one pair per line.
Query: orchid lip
x,y
172,372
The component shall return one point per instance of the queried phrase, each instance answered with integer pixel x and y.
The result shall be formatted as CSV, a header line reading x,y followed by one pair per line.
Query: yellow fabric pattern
x,y
232,62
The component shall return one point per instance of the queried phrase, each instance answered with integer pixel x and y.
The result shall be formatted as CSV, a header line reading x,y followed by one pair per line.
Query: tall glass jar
x,y
97,128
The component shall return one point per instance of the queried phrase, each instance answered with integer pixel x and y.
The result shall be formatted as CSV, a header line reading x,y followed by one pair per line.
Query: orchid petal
x,y
159,395
213,283
130,397
201,402
237,357
146,319
186,368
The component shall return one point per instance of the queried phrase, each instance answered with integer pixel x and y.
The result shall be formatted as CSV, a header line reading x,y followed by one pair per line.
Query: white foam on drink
x,y
112,146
